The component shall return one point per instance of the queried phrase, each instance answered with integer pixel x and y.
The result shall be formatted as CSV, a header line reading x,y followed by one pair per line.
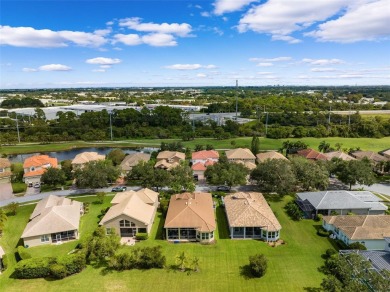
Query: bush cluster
x,y
57,268
357,245
293,211
323,232
258,265
141,236
140,258
23,253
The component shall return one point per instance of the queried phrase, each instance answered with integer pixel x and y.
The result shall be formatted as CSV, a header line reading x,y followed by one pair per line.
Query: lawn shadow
x,y
160,234
273,197
330,240
246,273
222,224
312,289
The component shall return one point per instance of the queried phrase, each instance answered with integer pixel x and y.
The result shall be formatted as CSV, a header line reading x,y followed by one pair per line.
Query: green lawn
x,y
265,144
291,267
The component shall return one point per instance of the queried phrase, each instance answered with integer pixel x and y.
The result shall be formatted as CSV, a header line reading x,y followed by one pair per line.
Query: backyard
x,y
291,267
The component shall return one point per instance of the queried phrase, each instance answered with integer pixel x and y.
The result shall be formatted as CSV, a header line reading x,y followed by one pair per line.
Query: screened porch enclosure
x,y
253,233
64,236
181,233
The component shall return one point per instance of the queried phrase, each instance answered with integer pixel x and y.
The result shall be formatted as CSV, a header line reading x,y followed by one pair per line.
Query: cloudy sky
x,y
129,43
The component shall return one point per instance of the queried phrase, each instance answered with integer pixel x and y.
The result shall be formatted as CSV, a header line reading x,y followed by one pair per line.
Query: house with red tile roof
x,y
35,166
311,154
200,160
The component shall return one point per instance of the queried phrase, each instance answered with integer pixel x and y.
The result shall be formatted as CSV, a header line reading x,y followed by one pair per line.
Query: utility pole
x,y
111,125
266,125
17,128
236,98
330,109
349,116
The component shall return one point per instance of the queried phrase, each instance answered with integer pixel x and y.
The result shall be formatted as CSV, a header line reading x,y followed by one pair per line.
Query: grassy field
x,y
265,144
291,267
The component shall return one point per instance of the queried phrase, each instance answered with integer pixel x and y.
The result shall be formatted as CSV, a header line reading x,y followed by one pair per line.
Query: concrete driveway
x,y
6,191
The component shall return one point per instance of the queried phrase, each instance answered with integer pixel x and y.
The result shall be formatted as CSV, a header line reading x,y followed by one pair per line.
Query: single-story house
x,y
262,157
311,154
386,153
190,217
85,157
5,170
54,220
35,166
369,230
338,154
340,202
243,156
169,159
132,160
250,217
370,155
131,213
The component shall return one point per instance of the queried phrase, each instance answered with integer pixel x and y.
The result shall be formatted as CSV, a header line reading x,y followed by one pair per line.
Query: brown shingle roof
x,y
4,163
360,227
191,211
311,154
250,210
85,157
338,154
370,155
133,159
240,153
171,155
261,157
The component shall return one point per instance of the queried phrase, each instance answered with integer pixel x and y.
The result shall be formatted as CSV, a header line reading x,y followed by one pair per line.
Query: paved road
x,y
382,188
6,191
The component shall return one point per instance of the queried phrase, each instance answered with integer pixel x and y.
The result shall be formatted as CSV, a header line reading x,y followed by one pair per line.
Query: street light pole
x,y
110,125
17,128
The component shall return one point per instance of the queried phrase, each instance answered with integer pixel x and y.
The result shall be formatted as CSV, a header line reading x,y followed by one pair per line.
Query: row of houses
x,y
190,217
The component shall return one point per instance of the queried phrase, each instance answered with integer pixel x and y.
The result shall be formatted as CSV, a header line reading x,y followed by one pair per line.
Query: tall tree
x,y
309,174
182,178
116,156
226,173
96,174
53,177
356,172
255,145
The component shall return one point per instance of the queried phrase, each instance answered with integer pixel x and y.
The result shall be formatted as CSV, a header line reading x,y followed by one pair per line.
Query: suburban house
x,y
370,155
35,166
386,153
262,157
131,213
338,154
242,155
369,230
85,157
340,202
190,217
250,217
169,159
5,170
132,160
311,154
54,220
200,160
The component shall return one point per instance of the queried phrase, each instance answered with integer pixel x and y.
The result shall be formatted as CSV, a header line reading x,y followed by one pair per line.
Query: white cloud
x,y
265,64
322,62
109,23
224,6
277,59
280,17
99,70
54,67
29,70
264,73
369,21
201,75
46,38
205,14
286,38
127,39
189,67
159,40
135,23
105,66
323,70
103,61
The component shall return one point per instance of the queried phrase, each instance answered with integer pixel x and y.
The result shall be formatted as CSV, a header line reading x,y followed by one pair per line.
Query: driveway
x,y
6,191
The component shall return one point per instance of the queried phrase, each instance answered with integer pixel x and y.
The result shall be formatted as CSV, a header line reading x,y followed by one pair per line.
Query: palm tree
x,y
195,264
181,260
324,146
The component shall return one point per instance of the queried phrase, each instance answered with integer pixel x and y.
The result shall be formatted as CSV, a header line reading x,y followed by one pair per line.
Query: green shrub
x,y
139,258
330,252
323,232
23,253
141,236
5,261
357,245
73,263
258,265
19,187
318,217
58,271
34,268
341,244
293,211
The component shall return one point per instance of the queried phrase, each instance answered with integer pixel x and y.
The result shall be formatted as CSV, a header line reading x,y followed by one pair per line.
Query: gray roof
x,y
342,200
379,259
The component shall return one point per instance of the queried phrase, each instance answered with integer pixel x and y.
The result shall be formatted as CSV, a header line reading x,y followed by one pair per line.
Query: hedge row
x,y
23,253
57,268
141,236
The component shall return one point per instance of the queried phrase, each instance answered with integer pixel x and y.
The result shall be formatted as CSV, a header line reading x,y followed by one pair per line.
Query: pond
x,y
70,154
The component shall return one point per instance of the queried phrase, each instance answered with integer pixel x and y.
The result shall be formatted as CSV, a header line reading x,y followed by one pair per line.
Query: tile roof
x,y
85,157
339,154
53,214
361,227
133,159
191,210
250,210
166,165
40,160
202,166
132,206
261,157
171,155
205,154
311,154
240,153
4,163
37,172
370,155
341,199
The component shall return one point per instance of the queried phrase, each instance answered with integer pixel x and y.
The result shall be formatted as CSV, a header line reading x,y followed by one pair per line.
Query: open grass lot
x,y
291,267
265,144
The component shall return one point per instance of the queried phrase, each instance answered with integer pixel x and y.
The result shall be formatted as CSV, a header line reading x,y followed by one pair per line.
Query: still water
x,y
70,154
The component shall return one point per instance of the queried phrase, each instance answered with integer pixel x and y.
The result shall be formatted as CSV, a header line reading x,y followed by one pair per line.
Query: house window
x,y
1,169
32,168
45,238
205,236
132,224
142,230
125,223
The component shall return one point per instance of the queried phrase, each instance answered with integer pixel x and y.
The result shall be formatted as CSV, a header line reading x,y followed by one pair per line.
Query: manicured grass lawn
x,y
291,267
265,144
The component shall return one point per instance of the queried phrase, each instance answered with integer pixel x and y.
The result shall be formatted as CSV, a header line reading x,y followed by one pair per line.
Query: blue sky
x,y
49,44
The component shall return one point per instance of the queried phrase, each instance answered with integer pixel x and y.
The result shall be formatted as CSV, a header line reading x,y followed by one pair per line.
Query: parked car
x,y
119,189
37,185
223,189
